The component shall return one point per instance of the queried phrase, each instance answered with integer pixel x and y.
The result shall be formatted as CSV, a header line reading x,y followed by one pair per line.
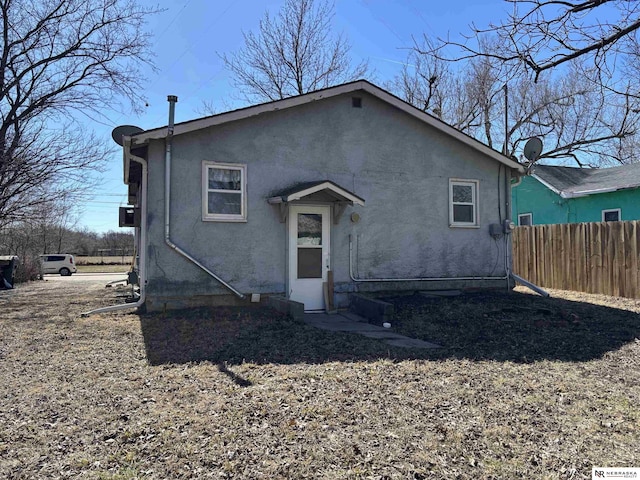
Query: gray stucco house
x,y
347,189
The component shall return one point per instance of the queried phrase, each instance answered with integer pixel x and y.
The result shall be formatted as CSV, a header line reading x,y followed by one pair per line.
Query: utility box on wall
x,y
129,217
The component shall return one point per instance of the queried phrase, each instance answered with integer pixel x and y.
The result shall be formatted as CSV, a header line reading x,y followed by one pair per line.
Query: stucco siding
x,y
399,165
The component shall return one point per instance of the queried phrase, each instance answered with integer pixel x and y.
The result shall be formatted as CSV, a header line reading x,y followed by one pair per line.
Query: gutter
x,y
585,193
172,99
142,272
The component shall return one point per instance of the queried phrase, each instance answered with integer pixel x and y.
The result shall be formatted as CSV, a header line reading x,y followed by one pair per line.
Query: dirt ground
x,y
525,388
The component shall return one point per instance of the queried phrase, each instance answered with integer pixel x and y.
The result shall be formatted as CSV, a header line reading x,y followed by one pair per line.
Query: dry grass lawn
x,y
103,268
243,393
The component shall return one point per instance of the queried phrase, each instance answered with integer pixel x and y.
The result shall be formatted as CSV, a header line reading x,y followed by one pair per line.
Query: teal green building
x,y
552,194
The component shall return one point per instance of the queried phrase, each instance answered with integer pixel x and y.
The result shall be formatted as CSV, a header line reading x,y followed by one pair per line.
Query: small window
x,y
463,200
224,195
525,219
612,215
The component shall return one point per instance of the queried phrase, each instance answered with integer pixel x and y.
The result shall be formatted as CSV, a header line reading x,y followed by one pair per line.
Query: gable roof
x,y
301,190
205,122
570,182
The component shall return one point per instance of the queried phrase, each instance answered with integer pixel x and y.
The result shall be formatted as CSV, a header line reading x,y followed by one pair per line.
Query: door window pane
x,y
309,229
309,262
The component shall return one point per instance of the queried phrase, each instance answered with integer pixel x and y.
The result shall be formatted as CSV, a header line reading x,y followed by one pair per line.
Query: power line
x,y
167,70
156,41
173,20
202,84
382,21
192,44
110,195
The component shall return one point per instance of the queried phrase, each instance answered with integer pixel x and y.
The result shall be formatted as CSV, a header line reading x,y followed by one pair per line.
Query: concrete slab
x,y
352,323
407,342
349,315
383,335
337,326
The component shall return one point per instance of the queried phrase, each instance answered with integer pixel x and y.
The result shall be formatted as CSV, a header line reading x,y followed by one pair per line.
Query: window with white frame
x,y
224,192
612,215
525,219
463,203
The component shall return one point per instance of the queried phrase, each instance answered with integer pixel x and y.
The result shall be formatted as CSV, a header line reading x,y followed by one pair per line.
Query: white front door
x,y
308,254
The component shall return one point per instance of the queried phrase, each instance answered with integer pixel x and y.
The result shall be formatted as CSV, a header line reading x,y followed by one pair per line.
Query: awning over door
x,y
321,192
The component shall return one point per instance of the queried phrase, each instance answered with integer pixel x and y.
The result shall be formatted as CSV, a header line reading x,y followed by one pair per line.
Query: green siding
x,y
547,207
533,197
589,209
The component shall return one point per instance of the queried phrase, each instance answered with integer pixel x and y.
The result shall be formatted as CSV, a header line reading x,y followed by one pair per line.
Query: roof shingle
x,y
573,181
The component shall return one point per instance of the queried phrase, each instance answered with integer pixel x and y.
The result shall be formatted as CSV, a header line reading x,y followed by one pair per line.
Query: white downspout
x,y
518,278
508,220
172,99
530,285
142,272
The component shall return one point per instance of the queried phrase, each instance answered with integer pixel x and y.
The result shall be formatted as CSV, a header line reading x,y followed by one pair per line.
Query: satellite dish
x,y
533,149
124,131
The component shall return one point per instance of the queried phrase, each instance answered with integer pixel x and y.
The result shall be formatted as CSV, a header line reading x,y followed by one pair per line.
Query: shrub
x,y
29,268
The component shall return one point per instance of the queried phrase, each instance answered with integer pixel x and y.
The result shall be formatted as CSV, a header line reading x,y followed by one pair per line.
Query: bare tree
x,y
293,54
542,35
53,221
581,120
59,58
118,242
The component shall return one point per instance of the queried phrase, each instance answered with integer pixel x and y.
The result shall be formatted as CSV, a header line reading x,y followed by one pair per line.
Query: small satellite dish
x,y
124,131
533,149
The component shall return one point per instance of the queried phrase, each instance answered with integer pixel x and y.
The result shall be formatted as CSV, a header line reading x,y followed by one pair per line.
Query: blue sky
x,y
189,35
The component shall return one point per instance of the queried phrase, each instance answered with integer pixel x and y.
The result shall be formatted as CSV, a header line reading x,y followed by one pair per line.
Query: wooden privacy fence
x,y
583,257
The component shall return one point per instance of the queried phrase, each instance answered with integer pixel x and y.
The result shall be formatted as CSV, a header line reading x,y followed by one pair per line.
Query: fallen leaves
x,y
82,398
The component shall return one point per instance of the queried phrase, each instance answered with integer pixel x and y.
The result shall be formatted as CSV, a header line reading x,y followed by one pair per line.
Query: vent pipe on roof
x,y
172,99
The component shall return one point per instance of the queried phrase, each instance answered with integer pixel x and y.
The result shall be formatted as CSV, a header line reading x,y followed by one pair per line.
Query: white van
x,y
61,263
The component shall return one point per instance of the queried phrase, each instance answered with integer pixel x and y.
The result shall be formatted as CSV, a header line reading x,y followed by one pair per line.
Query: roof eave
x,y
251,111
585,193
126,152
548,185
